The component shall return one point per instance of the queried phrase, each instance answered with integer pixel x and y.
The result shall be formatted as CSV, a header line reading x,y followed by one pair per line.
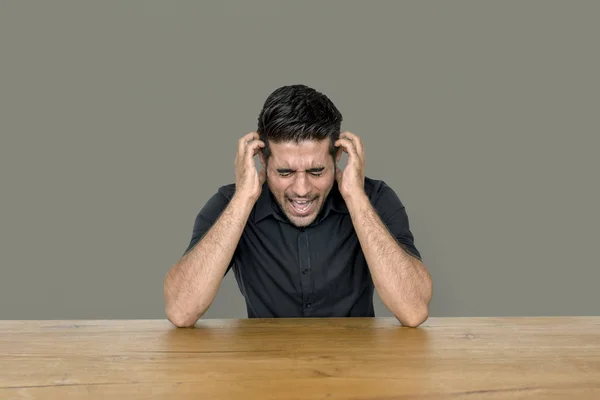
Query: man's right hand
x,y
192,283
248,181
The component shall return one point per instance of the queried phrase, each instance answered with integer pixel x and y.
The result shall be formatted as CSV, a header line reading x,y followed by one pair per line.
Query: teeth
x,y
301,205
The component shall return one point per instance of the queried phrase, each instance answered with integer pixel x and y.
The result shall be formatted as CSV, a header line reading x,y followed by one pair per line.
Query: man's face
x,y
300,176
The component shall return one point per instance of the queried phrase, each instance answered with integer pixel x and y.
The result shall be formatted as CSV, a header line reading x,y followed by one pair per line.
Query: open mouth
x,y
302,207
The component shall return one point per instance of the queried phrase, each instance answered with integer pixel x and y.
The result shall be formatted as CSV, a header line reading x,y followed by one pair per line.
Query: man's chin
x,y
301,221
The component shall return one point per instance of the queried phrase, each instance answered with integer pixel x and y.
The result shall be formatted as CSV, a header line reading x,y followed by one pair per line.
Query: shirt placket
x,y
305,272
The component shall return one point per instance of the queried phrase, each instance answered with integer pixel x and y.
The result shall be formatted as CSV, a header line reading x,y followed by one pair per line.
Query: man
x,y
304,238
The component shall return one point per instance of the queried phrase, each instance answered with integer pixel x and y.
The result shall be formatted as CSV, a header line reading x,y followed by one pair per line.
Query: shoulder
x,y
226,191
376,188
382,196
217,202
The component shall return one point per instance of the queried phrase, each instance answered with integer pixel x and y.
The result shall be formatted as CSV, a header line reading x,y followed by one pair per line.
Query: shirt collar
x,y
266,205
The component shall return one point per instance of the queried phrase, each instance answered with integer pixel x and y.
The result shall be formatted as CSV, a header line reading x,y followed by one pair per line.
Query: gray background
x,y
120,119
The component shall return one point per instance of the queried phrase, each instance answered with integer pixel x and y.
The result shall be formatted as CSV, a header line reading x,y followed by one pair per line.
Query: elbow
x,y
182,323
414,318
180,315
180,319
419,313
176,311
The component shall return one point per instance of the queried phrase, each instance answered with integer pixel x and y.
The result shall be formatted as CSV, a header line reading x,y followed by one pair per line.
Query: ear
x,y
261,155
338,154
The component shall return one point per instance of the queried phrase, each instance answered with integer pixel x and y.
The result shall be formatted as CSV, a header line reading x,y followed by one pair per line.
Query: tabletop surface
x,y
342,358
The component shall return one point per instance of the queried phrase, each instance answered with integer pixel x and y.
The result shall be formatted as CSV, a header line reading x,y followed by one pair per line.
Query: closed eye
x,y
313,171
284,172
316,171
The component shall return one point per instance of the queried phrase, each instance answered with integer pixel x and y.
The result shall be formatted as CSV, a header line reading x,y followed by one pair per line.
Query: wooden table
x,y
445,358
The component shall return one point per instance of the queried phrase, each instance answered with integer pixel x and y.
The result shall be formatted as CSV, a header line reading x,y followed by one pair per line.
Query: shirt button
x,y
304,271
307,305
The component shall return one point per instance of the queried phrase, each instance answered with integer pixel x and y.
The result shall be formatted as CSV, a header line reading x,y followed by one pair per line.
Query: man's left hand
x,y
351,181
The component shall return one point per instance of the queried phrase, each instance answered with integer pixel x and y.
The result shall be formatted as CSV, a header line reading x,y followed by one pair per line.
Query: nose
x,y
301,185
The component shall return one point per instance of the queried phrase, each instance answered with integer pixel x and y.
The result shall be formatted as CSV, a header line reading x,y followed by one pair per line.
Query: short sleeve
x,y
393,214
206,218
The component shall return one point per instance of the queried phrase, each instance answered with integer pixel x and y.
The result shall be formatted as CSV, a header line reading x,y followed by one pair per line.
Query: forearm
x,y
192,284
401,280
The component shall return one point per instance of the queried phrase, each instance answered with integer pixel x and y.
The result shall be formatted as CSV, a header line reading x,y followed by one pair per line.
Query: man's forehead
x,y
306,154
305,147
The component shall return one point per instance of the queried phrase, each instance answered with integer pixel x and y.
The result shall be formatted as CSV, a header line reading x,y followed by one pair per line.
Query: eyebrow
x,y
311,170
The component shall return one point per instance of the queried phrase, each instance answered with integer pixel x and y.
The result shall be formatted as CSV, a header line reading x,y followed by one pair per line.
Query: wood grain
x,y
370,358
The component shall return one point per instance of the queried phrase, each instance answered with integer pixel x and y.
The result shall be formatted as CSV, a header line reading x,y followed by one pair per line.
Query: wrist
x,y
357,201
244,200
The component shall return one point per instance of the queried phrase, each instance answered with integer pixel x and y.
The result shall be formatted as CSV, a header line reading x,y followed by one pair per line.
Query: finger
x,y
249,136
253,148
347,146
349,135
244,140
358,143
262,176
262,160
338,174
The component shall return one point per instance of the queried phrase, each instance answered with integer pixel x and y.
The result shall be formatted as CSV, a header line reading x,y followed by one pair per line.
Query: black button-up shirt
x,y
316,271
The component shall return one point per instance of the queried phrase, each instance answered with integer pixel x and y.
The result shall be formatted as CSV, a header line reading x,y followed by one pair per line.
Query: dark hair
x,y
297,113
